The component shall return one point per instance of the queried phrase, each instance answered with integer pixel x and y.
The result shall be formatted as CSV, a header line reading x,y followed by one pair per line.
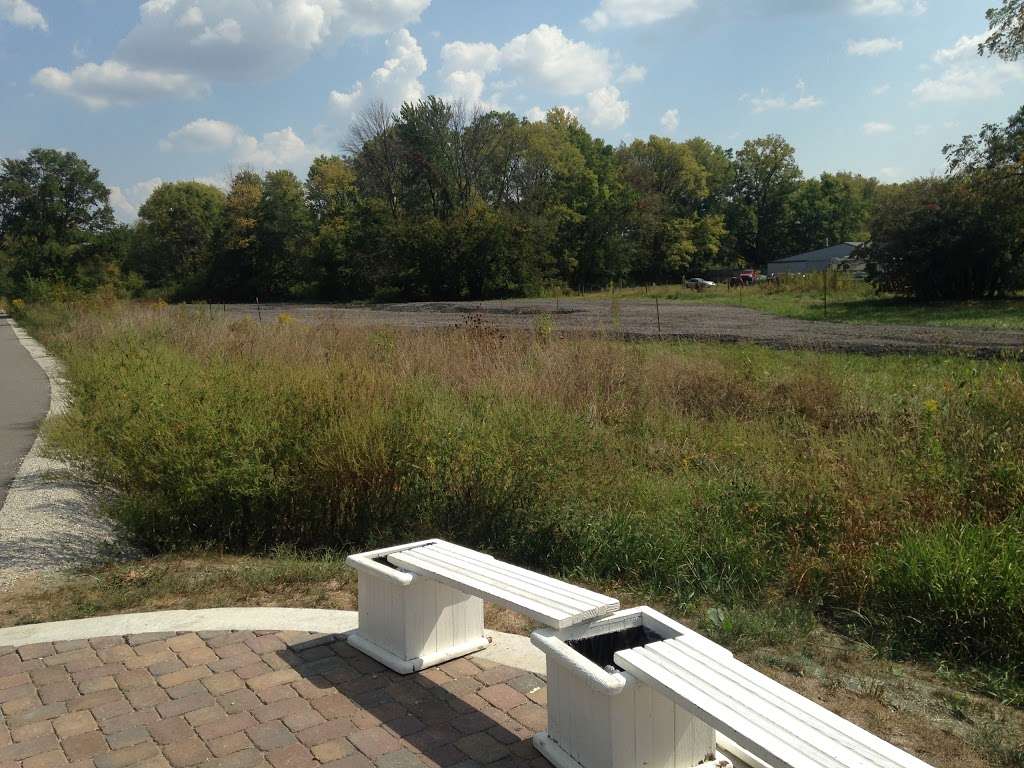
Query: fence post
x,y
657,308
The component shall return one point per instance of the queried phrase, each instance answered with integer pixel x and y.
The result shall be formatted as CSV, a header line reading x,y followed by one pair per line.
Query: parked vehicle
x,y
699,284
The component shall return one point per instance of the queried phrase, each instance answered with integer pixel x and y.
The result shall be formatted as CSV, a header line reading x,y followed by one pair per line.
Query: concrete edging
x,y
511,650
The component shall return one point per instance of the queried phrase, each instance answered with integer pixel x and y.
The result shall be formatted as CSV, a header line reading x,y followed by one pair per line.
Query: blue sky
x,y
172,89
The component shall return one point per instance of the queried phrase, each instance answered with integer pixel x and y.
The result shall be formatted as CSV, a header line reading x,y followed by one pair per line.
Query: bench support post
x,y
608,719
409,623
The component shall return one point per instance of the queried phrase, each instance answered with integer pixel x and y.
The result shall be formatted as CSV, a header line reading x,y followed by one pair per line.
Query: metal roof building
x,y
814,261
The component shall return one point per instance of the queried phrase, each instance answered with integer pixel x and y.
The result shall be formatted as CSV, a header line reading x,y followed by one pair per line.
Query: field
x,y
849,301
759,493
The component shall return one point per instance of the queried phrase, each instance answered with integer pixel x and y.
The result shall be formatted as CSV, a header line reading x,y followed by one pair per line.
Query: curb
x,y
511,650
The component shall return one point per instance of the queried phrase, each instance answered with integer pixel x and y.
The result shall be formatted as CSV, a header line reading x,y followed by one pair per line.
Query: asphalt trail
x,y
24,401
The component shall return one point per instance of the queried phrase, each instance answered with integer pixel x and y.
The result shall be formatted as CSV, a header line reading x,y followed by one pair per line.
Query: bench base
x,y
408,666
559,758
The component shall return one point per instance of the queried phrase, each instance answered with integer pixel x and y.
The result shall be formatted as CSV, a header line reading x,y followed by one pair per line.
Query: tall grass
x,y
892,488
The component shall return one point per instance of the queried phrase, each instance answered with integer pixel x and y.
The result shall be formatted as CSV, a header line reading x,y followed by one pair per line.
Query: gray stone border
x,y
511,650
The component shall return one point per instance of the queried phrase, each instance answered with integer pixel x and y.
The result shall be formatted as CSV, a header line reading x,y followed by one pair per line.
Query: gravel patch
x,y
641,319
48,522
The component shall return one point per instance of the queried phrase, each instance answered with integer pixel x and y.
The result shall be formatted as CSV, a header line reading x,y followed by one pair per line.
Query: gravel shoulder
x,y
641,319
47,521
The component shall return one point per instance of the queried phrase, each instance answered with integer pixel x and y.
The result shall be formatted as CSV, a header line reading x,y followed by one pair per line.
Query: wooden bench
x,y
759,722
421,604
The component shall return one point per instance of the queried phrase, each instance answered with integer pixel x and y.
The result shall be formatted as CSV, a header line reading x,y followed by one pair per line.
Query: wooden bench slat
x,y
560,591
769,720
546,600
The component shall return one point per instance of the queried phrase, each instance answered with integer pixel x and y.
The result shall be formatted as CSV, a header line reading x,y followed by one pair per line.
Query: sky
x,y
197,89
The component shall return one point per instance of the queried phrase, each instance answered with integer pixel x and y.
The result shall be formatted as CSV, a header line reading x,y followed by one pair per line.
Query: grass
x,y
883,495
849,301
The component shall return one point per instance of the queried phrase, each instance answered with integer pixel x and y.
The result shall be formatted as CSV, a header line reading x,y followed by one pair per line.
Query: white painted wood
x,y
601,719
407,622
546,600
771,722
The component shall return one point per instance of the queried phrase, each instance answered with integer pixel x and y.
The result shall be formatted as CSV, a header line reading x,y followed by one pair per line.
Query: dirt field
x,y
640,319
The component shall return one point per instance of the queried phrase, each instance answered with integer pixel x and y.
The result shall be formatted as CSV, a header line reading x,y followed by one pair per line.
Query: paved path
x,y
47,520
24,401
253,698
639,319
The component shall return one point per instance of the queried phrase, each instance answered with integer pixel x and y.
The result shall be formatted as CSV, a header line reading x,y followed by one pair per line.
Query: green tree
x,y
669,228
948,238
283,231
175,237
766,174
1006,31
332,199
233,275
834,208
53,210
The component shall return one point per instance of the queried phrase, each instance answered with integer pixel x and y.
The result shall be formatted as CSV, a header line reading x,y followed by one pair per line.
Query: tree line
x,y
434,202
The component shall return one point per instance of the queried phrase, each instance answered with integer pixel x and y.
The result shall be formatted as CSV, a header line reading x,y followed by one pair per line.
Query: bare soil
x,y
642,319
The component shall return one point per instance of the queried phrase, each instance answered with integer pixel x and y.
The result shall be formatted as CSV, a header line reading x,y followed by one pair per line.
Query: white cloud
x,y
877,129
202,135
127,201
113,83
969,83
606,108
633,13
765,102
179,47
965,47
806,102
545,59
393,83
536,115
549,59
888,7
253,39
967,77
670,121
634,73
276,149
873,47
879,90
23,14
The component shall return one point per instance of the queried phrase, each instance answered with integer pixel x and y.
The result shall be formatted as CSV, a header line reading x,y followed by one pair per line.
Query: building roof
x,y
837,252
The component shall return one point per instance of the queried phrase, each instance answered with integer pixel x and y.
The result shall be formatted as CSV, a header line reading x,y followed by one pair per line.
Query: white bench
x,y
758,721
421,604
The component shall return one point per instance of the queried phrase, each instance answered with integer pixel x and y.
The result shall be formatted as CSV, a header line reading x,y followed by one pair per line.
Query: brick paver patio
x,y
238,699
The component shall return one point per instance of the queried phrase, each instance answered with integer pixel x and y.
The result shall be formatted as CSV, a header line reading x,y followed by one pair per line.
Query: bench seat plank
x,y
773,723
544,599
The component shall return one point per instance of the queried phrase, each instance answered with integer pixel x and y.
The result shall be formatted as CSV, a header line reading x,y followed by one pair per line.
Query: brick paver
x,y
280,699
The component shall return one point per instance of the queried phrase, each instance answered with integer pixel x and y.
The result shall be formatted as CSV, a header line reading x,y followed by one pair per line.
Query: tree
x,y
53,207
766,174
834,208
175,236
1006,31
669,227
332,199
947,238
233,275
283,229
